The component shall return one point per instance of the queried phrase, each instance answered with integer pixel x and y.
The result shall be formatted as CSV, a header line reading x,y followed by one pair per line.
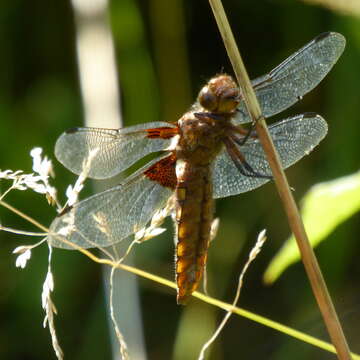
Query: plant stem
x,y
308,257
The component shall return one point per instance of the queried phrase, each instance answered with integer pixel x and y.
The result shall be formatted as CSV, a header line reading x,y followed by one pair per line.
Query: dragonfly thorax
x,y
200,137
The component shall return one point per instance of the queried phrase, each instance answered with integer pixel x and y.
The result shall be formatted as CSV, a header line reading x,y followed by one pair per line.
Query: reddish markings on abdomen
x,y
163,172
163,133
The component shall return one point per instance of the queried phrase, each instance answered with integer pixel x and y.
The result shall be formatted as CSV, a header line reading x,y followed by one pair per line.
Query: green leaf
x,y
325,206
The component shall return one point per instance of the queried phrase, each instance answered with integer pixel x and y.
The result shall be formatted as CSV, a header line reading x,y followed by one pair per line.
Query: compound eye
x,y
207,99
228,102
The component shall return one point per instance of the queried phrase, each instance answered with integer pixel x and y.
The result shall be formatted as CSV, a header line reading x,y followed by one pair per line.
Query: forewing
x,y
296,76
293,138
110,216
112,151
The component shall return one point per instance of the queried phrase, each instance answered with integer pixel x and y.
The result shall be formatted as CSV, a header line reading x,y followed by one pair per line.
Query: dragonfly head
x,y
220,95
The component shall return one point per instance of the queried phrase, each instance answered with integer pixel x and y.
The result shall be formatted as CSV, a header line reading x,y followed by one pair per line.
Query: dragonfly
x,y
207,154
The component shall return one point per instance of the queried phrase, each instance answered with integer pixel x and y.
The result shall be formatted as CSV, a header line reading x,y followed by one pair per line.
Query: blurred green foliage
x,y
40,98
325,206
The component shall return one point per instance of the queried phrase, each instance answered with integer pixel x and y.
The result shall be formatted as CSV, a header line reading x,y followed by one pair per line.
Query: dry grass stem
x,y
310,263
50,309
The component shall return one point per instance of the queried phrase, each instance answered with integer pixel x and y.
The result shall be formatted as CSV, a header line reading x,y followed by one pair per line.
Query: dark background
x,y
40,97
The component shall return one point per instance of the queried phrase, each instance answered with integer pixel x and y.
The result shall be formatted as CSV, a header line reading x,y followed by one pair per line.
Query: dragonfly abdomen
x,y
194,215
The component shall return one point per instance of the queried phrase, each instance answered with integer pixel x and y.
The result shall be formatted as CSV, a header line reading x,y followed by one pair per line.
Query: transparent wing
x,y
293,138
110,216
113,150
296,76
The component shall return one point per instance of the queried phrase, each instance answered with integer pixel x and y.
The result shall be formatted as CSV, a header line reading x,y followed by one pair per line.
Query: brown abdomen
x,y
194,215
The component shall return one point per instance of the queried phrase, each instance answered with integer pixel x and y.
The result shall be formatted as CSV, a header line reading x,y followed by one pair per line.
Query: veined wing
x,y
110,216
296,76
112,150
293,138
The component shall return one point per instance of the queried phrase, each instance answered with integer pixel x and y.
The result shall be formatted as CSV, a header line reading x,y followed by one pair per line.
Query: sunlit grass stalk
x,y
308,257
212,301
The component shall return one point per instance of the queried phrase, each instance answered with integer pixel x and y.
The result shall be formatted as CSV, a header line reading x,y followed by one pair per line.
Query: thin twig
x,y
21,232
310,263
24,216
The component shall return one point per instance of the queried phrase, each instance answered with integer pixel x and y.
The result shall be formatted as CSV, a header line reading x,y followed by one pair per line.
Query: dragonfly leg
x,y
240,162
249,133
246,133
